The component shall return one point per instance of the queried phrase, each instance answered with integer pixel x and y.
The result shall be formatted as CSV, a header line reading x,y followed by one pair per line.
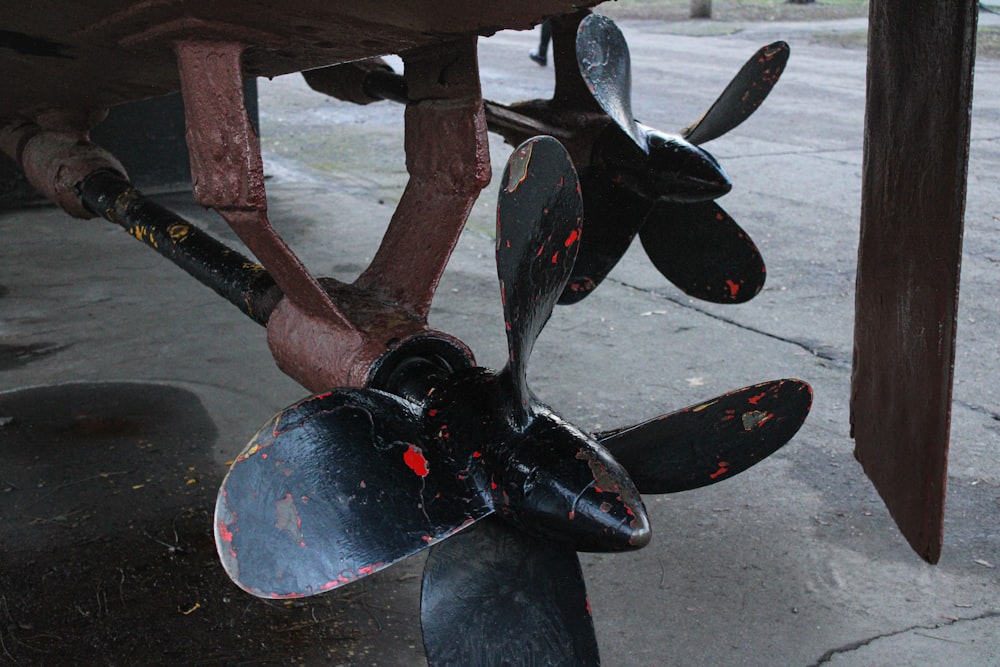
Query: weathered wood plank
x,y
920,59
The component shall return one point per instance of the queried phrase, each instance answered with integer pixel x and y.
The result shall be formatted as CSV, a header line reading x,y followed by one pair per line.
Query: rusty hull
x,y
97,54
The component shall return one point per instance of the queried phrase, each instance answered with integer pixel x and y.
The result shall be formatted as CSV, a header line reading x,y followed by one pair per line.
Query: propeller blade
x,y
742,96
495,596
613,216
332,489
539,219
702,250
603,57
709,442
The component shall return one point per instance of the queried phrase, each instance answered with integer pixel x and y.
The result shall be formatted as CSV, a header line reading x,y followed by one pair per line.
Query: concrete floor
x,y
126,387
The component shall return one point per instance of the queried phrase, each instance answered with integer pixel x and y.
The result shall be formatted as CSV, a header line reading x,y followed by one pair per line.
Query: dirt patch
x,y
987,40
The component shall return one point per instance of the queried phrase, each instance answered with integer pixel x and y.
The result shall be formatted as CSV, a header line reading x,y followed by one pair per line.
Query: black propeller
x,y
661,186
345,483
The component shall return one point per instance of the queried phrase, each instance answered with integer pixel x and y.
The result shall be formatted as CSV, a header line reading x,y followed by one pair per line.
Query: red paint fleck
x,y
432,413
572,514
754,400
328,585
476,455
573,236
224,532
427,538
285,596
723,469
414,458
734,288
263,455
555,258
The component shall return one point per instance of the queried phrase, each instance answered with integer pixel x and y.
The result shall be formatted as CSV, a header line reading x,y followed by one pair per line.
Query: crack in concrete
x,y
815,152
854,646
979,409
814,350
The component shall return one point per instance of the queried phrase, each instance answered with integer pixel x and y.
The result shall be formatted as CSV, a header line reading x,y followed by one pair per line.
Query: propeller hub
x,y
682,171
560,484
673,169
546,476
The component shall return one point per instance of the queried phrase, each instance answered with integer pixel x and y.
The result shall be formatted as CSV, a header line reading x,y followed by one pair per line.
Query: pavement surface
x,y
125,388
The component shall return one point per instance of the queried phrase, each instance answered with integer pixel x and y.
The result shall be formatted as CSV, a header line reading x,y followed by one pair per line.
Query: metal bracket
x,y
324,333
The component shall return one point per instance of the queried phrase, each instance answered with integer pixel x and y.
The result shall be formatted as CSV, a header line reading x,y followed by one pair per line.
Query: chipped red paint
x,y
734,288
224,532
284,596
754,400
572,238
414,458
723,469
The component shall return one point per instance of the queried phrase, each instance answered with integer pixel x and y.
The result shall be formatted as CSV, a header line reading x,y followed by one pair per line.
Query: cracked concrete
x,y
978,633
795,562
809,346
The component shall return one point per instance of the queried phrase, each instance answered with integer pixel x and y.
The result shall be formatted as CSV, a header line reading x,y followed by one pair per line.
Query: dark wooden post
x,y
913,202
701,9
